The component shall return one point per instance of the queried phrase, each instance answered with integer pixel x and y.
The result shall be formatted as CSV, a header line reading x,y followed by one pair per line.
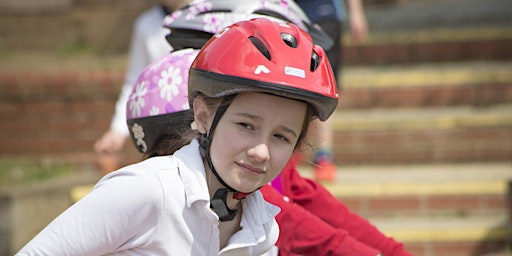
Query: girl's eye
x,y
246,125
281,137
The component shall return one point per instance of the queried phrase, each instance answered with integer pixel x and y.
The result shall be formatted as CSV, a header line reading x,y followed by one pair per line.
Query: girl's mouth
x,y
251,169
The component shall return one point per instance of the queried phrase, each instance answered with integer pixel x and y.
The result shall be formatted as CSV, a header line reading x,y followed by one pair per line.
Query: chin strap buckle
x,y
239,195
219,205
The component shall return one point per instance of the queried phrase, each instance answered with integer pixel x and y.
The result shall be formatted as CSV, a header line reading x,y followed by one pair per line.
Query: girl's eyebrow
x,y
255,117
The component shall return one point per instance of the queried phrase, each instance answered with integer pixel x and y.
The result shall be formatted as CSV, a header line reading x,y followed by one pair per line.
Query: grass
x,y
15,172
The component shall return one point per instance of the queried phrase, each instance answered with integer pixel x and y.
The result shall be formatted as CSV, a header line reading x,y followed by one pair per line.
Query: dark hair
x,y
175,137
180,134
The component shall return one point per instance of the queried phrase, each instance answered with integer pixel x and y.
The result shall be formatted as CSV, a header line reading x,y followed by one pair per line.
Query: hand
x,y
357,19
110,142
358,27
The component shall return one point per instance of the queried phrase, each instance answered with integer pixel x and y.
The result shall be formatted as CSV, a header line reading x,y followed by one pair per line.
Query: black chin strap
x,y
218,203
219,200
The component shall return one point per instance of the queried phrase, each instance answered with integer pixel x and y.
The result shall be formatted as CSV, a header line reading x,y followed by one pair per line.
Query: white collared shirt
x,y
156,207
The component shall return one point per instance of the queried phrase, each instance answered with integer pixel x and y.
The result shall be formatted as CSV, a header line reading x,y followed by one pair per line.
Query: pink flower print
x,y
285,4
199,6
214,22
169,19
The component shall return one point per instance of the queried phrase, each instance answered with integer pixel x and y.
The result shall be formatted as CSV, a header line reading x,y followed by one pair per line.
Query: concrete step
x,y
425,85
426,113
422,135
467,217
377,191
448,236
433,31
430,45
434,209
421,14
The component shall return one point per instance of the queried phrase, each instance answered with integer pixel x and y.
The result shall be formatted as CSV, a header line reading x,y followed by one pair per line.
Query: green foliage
x,y
25,171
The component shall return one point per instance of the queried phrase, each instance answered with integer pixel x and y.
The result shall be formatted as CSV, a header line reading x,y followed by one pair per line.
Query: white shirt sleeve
x,y
148,43
117,213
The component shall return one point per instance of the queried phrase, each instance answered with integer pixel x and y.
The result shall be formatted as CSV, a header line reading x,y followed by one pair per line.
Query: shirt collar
x,y
192,172
190,163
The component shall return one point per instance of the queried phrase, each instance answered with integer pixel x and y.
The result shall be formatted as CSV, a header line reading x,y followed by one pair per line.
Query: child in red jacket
x,y
311,216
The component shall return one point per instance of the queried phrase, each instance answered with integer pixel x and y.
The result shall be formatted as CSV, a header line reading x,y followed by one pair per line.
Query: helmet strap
x,y
219,205
218,202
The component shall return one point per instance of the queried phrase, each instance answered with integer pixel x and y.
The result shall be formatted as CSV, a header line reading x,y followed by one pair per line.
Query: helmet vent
x,y
289,40
260,46
216,11
315,61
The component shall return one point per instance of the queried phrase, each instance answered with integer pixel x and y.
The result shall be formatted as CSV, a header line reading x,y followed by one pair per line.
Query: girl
x,y
157,133
312,222
253,88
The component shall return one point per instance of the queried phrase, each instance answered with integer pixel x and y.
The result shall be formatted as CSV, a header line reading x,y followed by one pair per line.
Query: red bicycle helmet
x,y
266,56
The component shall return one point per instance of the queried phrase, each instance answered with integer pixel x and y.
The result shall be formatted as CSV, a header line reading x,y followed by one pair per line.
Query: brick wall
x,y
433,51
60,25
56,115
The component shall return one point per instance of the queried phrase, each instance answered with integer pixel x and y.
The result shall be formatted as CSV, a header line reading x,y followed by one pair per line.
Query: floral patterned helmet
x,y
194,24
159,98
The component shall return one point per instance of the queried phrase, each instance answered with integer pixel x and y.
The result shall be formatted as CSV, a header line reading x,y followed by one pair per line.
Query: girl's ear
x,y
201,114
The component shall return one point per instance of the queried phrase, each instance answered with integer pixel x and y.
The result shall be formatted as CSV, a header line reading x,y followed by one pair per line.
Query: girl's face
x,y
255,138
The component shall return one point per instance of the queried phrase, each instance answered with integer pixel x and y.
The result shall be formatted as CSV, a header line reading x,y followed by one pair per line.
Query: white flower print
x,y
168,83
138,134
137,101
169,19
213,22
154,111
185,106
198,7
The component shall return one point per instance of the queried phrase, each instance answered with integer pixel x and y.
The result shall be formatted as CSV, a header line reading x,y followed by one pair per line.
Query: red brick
x,y
458,203
488,49
467,248
434,52
383,54
355,204
493,201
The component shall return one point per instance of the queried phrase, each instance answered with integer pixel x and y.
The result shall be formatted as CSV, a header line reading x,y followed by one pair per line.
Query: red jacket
x,y
313,222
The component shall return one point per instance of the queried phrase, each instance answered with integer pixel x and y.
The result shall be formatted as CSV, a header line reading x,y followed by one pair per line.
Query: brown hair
x,y
181,134
175,137
213,103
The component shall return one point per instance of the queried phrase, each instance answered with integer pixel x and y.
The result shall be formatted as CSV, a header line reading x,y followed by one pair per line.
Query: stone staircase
x,y
424,128
423,131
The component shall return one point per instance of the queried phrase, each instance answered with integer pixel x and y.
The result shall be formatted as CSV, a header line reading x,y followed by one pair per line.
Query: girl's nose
x,y
259,152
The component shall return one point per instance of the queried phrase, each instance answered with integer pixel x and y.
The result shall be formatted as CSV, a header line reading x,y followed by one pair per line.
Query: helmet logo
x,y
261,68
295,72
